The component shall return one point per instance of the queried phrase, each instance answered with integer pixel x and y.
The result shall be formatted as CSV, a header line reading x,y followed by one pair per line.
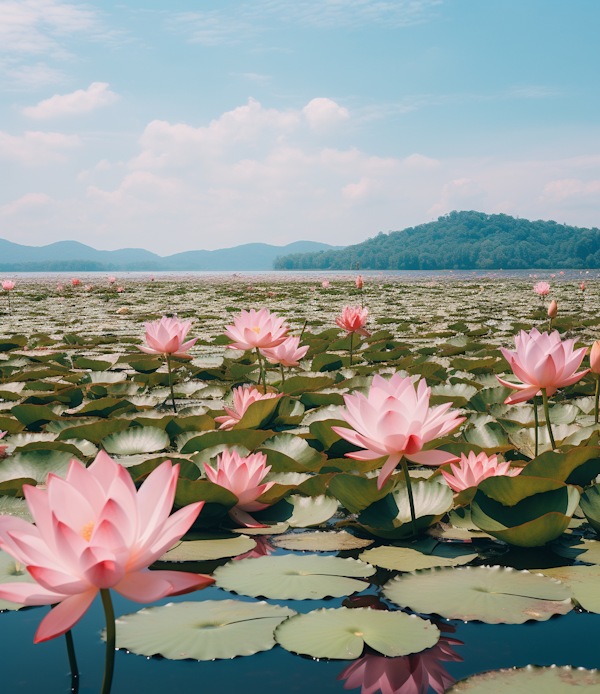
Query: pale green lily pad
x,y
22,439
36,465
343,632
203,630
587,551
275,529
206,550
408,559
11,506
493,594
107,377
430,499
531,680
12,571
584,581
321,541
294,577
311,510
136,440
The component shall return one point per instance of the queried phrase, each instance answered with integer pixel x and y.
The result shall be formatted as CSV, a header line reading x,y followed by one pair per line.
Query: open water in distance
x,y
43,668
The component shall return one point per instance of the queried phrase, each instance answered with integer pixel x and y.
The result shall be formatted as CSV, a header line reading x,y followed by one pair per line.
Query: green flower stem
x,y
282,373
72,661
547,416
111,634
303,329
8,297
597,397
171,382
351,346
410,495
262,371
550,324
537,424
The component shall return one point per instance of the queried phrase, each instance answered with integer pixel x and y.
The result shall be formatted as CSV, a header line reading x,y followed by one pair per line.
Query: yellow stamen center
x,y
87,530
256,329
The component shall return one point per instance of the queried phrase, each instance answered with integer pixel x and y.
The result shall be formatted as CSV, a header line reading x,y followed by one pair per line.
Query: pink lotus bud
x,y
112,280
595,358
561,273
74,281
325,284
552,309
59,287
359,281
583,286
120,289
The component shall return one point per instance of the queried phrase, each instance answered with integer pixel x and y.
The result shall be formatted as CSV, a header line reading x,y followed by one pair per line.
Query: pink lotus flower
x,y
476,468
411,674
594,361
59,287
561,273
152,278
112,280
542,361
312,289
242,477
75,281
3,448
353,319
166,336
359,281
552,276
325,284
541,288
88,287
256,329
396,420
583,286
8,285
95,531
243,397
288,353
120,289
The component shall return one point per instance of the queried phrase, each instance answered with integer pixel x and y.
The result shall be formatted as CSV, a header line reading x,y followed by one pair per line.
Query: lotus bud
x,y
595,358
359,282
583,286
552,309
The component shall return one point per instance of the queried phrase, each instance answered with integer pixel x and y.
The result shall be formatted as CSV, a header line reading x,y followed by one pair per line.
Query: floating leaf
x,y
408,559
136,440
36,464
495,595
343,632
321,541
311,510
294,577
206,550
12,571
531,679
202,630
289,453
584,581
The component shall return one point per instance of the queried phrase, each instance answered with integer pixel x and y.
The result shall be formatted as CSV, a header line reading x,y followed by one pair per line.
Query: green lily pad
x,y
357,493
587,551
36,464
408,559
343,632
12,571
275,529
584,581
136,440
531,680
311,510
289,453
203,630
10,506
206,550
249,438
321,541
590,505
491,594
294,577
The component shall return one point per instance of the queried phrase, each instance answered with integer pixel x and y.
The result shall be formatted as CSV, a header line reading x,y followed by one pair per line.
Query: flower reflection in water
x,y
412,674
263,549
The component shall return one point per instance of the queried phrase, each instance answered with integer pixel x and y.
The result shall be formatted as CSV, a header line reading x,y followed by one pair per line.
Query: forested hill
x,y
462,240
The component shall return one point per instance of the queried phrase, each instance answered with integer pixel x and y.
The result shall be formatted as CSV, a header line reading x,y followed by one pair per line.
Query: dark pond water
x,y
571,639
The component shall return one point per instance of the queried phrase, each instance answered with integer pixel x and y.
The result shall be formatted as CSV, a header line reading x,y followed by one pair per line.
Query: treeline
x,y
462,240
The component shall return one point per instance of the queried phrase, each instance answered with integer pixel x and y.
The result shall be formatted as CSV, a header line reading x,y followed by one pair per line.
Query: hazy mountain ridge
x,y
463,240
75,256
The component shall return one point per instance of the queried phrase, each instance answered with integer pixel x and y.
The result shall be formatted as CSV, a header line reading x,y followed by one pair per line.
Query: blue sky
x,y
184,125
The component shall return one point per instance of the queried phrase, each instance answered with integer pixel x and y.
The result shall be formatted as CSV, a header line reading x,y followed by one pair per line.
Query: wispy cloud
x,y
78,102
18,78
253,77
36,148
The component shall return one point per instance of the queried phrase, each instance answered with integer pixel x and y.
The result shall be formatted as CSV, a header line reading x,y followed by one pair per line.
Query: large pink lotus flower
x,y
243,477
8,285
411,674
288,353
396,420
542,361
166,336
541,288
243,397
256,329
353,319
476,468
95,531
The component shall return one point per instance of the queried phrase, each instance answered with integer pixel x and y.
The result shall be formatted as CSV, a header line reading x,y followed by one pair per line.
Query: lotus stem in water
x,y
411,501
111,633
596,398
537,424
171,383
547,416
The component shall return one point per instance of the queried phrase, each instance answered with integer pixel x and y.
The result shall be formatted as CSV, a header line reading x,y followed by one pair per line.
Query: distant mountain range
x,y
75,256
464,241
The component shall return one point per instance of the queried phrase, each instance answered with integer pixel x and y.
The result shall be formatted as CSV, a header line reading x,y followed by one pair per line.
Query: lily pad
x,y
294,577
203,630
36,465
11,506
491,594
136,440
343,632
584,581
206,550
12,571
311,510
321,541
531,680
408,559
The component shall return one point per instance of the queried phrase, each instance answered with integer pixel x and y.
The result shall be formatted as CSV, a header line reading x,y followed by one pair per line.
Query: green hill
x,y
462,240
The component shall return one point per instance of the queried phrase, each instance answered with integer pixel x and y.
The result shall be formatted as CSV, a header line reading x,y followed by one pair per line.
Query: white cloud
x,y
31,77
571,188
460,194
28,203
37,147
80,101
322,113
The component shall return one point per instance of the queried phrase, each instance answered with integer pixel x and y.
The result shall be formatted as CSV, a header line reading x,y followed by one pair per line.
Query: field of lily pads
x,y
335,561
